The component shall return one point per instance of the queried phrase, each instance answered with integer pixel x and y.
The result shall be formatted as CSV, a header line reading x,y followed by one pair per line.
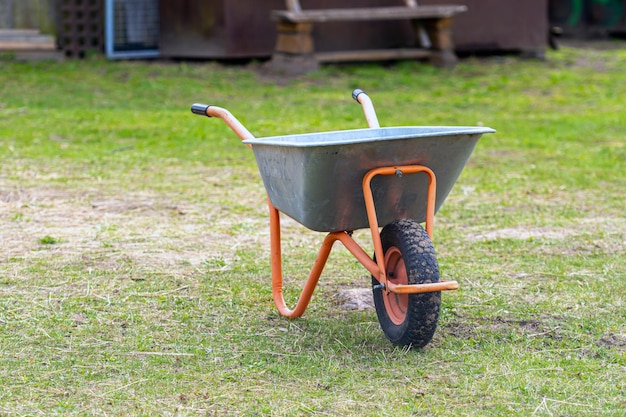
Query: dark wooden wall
x,y
499,25
221,29
28,14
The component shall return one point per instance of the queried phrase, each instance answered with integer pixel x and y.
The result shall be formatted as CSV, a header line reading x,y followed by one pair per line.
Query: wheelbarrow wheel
x,y
408,319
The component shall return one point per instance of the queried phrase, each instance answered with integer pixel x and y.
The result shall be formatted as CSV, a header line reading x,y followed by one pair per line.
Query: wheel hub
x,y
396,305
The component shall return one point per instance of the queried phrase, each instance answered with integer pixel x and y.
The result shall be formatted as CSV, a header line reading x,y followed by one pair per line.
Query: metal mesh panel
x,y
132,28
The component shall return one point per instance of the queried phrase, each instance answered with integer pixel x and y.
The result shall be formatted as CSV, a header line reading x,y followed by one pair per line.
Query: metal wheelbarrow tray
x,y
341,181
316,178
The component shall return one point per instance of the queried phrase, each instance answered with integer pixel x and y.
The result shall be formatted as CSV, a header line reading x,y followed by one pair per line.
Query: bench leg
x,y
442,47
294,51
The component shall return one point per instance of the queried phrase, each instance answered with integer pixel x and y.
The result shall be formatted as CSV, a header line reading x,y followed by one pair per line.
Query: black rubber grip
x,y
200,109
356,93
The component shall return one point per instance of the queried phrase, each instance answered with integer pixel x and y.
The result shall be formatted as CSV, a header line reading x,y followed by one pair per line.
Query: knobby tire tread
x,y
418,253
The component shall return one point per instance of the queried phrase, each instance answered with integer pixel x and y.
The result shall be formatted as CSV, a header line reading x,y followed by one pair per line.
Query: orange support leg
x,y
316,271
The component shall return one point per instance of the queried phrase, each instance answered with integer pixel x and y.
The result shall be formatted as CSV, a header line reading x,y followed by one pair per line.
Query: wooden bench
x,y
295,50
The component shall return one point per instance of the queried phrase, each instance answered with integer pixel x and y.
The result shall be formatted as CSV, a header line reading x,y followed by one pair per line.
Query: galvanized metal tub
x,y
316,178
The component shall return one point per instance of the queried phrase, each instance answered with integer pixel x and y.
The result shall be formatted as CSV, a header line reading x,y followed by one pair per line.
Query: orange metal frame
x,y
376,268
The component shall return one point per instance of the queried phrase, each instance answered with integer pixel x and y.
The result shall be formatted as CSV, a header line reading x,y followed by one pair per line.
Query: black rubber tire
x,y
416,322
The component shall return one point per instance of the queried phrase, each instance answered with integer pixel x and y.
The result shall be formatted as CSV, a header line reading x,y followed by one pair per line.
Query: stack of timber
x,y
28,44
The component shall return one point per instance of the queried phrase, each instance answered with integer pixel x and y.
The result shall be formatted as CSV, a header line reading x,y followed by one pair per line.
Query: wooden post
x,y
294,38
294,51
293,5
440,34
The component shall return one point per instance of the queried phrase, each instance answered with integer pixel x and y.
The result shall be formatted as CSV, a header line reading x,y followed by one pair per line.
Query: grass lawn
x,y
134,244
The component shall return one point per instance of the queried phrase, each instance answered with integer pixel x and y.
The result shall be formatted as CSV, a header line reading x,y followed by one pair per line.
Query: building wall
x,y
500,25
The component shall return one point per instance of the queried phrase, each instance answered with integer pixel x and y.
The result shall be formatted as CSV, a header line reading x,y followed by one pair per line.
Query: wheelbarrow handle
x,y
200,109
356,93
219,112
368,108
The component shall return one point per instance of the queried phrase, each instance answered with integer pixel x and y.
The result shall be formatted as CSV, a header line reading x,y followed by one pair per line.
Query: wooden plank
x,y
365,14
25,40
31,39
373,55
40,55
4,33
27,45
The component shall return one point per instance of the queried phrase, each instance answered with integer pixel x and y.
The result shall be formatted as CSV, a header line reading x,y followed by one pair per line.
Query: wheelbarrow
x,y
340,181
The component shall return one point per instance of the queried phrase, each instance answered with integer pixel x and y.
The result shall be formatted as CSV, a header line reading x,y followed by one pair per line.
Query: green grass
x,y
134,263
